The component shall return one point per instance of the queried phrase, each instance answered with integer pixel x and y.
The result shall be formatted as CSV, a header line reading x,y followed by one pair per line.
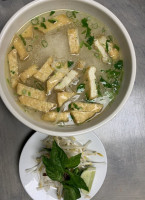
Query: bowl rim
x,y
124,99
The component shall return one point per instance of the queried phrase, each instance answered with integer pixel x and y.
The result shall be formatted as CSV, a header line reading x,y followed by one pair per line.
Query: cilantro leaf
x,y
70,63
119,64
90,40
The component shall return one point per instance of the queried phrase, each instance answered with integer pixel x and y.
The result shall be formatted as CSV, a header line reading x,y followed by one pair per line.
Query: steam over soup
x,y
65,67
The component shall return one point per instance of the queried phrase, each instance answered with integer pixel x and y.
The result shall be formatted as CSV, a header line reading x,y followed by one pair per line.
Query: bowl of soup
x,y
67,67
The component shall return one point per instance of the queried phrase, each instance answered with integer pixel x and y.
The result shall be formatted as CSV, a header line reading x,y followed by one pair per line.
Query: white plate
x,y
30,152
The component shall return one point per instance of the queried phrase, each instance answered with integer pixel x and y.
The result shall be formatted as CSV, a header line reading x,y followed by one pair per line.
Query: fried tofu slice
x,y
28,73
59,21
19,46
13,67
91,77
86,107
36,104
66,80
80,117
113,52
54,80
31,92
73,39
56,116
28,32
62,97
45,70
100,44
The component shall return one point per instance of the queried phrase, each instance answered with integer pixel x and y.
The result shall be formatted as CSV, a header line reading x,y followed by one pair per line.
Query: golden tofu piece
x,y
28,73
113,52
91,77
86,107
31,92
45,70
13,67
54,80
61,20
36,104
19,46
66,80
56,116
80,117
62,97
73,39
28,32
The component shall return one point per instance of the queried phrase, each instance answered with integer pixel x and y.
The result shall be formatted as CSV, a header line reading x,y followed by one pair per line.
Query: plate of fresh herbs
x,y
66,168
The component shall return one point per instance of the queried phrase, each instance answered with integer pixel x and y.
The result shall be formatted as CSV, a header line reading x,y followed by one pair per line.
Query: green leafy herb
x,y
29,48
44,43
52,21
13,72
58,109
83,32
76,106
103,30
12,47
99,90
88,46
52,13
90,40
36,28
35,21
74,13
105,83
70,63
116,47
43,25
89,100
23,40
107,46
43,19
84,22
71,193
81,44
81,88
119,64
8,81
73,162
110,38
29,93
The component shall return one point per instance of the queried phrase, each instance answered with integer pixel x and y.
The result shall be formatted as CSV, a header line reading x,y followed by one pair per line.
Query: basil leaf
x,y
70,63
52,171
119,64
77,181
105,83
81,88
73,162
75,193
58,156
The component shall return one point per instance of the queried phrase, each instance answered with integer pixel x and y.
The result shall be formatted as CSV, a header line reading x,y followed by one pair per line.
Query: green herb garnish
x,y
35,21
24,91
44,43
105,83
58,109
70,63
13,72
29,93
81,88
43,25
23,40
119,64
99,90
90,40
74,13
107,46
29,48
36,28
43,19
116,47
12,47
76,106
52,21
52,13
89,100
60,168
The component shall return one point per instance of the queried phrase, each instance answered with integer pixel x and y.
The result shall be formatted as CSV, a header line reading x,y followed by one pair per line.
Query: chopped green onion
x,y
13,72
74,13
35,21
107,47
110,38
8,81
81,88
13,47
116,47
24,91
99,90
52,21
83,32
43,19
105,83
29,48
36,28
76,106
58,109
81,44
23,40
70,63
44,43
51,13
69,14
29,93
90,40
43,25
119,64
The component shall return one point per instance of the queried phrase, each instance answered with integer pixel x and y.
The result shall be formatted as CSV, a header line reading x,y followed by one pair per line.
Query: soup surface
x,y
65,67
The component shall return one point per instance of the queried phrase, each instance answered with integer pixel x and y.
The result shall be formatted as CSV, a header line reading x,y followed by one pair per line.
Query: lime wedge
x,y
88,176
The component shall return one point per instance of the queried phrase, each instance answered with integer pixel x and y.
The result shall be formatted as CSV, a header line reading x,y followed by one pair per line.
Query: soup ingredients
x,y
28,32
56,117
73,38
88,176
62,97
63,164
80,117
13,67
36,104
86,107
20,47
28,73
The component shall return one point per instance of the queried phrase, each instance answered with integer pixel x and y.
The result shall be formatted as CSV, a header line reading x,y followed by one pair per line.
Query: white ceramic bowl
x,y
107,17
